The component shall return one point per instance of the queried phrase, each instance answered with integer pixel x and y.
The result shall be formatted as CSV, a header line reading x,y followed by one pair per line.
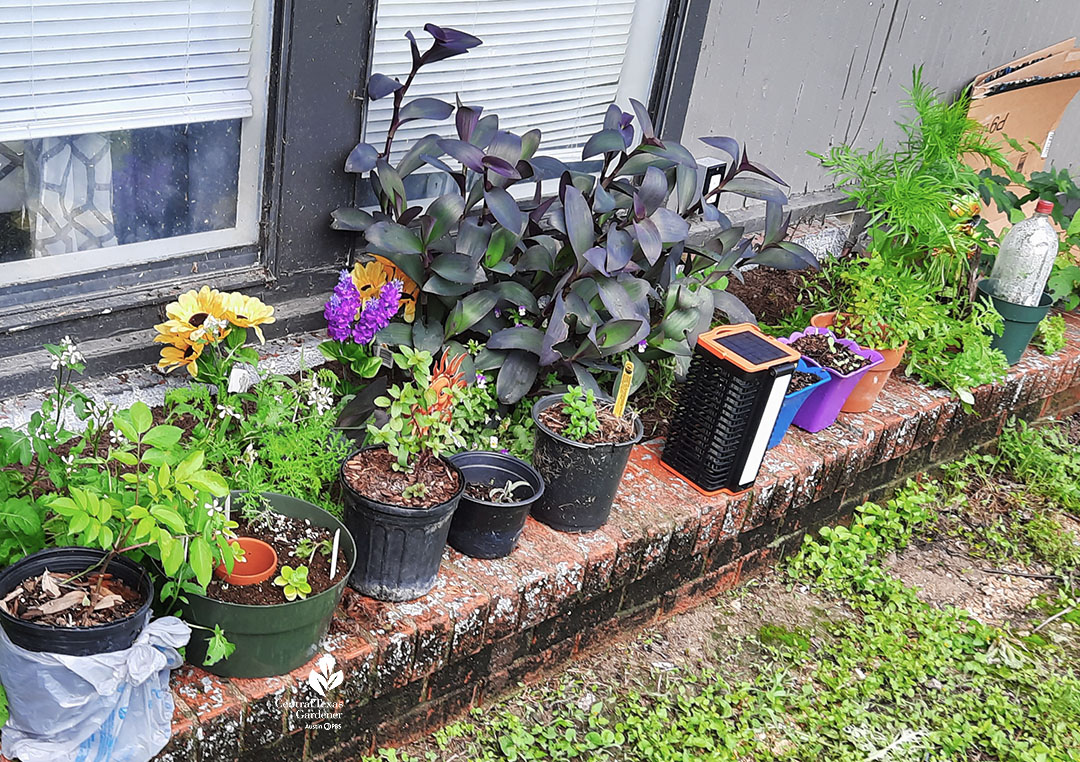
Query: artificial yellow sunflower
x,y
195,307
370,277
248,312
181,354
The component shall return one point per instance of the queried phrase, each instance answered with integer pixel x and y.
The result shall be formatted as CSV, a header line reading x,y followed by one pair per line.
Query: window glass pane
x,y
64,195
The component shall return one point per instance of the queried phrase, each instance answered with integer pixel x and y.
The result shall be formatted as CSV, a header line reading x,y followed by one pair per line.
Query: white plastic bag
x,y
112,707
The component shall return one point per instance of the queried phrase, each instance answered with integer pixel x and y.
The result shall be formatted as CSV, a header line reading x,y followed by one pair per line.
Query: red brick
x,y
395,639
264,711
356,655
183,743
639,525
217,706
567,561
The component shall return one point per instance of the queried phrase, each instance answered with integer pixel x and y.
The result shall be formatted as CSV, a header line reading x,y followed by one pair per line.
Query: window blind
x,y
552,65
69,67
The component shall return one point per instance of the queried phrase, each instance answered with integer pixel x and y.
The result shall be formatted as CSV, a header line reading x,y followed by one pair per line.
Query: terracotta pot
x,y
866,392
257,564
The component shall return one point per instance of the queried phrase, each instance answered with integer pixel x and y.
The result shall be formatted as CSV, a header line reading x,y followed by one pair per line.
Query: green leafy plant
x,y
279,436
579,406
569,282
1044,460
293,582
485,424
1050,334
420,419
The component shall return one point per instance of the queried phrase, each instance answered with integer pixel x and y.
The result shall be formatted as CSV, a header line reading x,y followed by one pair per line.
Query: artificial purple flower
x,y
377,313
349,317
341,310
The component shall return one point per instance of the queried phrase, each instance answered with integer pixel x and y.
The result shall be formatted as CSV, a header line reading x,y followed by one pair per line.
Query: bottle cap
x,y
1044,207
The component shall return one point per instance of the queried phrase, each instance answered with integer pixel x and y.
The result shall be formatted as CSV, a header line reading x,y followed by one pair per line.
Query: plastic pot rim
x,y
345,538
548,400
52,628
875,357
401,510
536,495
1035,312
814,370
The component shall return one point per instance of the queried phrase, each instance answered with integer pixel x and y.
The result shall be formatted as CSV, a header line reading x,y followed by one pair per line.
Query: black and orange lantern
x,y
727,408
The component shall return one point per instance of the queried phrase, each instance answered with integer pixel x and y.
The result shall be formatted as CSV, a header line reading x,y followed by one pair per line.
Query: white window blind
x,y
554,65
69,67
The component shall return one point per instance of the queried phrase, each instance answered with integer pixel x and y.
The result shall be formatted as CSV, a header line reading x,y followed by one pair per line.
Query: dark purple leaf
x,y
579,221
362,158
468,154
466,119
472,239
653,191
605,141
451,36
505,209
780,258
802,252
672,152
521,337
639,208
516,376
354,220
380,86
751,187
618,335
687,183
612,117
774,223
556,332
602,201
414,157
671,227
425,108
506,146
643,118
619,302
530,141
648,237
620,248
392,237
409,215
485,130
457,268
748,166
445,211
712,214
437,163
501,167
732,307
597,257
538,213
730,146
415,50
547,167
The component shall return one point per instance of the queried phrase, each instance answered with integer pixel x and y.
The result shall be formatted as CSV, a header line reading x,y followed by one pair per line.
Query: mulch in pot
x,y
801,380
838,357
65,599
372,474
284,533
612,430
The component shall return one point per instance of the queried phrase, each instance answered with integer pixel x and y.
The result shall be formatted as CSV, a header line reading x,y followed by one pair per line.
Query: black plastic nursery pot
x,y
270,640
76,641
483,529
580,480
398,549
1020,321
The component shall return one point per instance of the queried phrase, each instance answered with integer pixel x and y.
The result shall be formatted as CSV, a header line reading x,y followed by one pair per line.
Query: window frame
x,y
245,232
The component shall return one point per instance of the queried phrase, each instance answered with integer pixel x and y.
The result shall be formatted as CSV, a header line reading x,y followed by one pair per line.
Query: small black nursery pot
x,y
76,641
398,549
580,479
484,529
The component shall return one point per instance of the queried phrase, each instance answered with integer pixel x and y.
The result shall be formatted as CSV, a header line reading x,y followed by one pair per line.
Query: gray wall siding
x,y
788,76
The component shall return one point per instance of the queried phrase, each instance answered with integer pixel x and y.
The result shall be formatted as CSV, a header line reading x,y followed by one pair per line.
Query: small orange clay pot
x,y
866,392
258,563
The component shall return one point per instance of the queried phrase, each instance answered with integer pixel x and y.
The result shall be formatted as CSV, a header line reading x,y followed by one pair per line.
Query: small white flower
x,y
116,438
69,463
227,411
55,363
481,380
320,398
214,508
521,310
250,454
493,442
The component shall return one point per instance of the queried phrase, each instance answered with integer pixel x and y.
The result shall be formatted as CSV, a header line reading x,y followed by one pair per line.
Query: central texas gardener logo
x,y
324,678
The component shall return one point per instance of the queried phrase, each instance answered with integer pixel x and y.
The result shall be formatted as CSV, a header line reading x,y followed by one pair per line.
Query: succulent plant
x,y
604,265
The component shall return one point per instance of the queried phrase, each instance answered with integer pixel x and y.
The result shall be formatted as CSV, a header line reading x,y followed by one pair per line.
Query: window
x,y
130,130
554,66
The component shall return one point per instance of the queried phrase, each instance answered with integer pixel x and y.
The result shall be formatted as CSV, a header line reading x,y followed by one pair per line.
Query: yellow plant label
x,y
624,389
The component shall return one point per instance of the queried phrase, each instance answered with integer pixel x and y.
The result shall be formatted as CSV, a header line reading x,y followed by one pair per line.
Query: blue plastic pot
x,y
793,401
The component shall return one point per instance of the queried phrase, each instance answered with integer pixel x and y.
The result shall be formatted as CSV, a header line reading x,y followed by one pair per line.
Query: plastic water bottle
x,y
1025,258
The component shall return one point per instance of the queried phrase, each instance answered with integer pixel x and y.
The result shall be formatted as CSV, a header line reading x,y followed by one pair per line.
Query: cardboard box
x,y
1025,100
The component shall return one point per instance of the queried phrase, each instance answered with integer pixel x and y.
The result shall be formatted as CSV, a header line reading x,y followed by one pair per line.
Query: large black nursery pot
x,y
270,640
398,549
483,529
1020,321
76,641
580,480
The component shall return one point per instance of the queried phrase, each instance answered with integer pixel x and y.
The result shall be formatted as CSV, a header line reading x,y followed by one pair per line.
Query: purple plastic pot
x,y
793,401
823,405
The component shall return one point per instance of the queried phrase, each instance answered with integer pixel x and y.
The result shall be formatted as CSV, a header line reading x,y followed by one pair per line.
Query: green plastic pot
x,y
270,640
1020,321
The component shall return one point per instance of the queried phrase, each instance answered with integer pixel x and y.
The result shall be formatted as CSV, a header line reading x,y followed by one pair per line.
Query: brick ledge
x,y
488,625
